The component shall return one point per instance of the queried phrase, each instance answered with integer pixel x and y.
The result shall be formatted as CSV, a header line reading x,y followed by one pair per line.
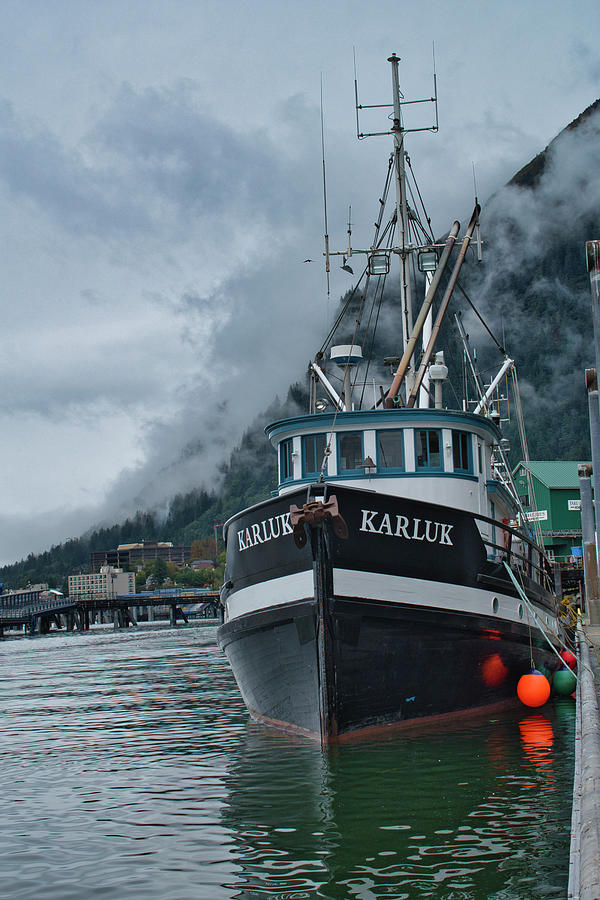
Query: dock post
x,y
150,612
584,873
557,576
172,614
591,383
590,565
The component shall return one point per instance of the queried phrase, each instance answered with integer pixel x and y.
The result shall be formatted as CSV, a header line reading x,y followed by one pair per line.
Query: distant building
x,y
30,594
202,564
129,556
103,585
557,505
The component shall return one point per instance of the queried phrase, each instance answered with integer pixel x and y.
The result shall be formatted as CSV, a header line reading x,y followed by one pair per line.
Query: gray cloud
x,y
161,182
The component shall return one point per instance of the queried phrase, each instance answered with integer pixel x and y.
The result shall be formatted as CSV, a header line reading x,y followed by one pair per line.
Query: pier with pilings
x,y
62,613
584,863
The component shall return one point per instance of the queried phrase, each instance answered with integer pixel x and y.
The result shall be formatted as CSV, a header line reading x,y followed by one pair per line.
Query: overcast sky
x,y
160,182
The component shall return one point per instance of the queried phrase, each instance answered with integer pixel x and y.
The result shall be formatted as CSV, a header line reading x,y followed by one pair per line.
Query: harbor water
x,y
130,769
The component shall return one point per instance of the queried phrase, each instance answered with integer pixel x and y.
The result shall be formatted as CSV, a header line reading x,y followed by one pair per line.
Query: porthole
x,y
495,605
520,610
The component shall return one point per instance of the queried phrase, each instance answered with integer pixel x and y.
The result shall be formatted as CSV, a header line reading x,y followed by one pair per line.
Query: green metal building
x,y
556,506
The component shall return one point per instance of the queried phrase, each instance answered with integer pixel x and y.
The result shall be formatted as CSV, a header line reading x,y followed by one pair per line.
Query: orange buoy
x,y
533,688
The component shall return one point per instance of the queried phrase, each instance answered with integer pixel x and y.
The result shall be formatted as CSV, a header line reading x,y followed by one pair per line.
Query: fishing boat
x,y
394,575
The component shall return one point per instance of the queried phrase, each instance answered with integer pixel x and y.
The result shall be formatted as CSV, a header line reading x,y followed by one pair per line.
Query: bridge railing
x,y
38,607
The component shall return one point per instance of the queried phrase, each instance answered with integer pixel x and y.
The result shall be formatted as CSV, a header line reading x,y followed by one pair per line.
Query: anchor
x,y
316,512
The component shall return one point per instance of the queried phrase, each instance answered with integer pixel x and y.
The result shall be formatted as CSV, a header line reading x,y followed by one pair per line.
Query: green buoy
x,y
564,682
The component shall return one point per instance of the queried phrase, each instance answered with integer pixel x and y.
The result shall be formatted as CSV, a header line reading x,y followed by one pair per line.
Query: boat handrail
x,y
540,572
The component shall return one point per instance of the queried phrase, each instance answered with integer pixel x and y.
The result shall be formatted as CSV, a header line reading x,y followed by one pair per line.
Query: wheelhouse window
x,y
350,451
286,461
462,453
428,449
390,453
313,452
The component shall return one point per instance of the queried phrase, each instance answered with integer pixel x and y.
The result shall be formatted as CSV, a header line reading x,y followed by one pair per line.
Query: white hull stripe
x,y
436,595
389,589
270,593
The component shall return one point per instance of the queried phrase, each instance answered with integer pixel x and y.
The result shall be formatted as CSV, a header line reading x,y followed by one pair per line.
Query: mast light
x,y
427,261
379,264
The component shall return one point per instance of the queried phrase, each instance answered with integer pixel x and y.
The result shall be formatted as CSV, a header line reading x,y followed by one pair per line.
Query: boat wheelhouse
x,y
439,456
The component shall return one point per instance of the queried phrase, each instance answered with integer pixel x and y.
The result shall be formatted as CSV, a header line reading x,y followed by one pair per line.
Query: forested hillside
x,y
532,287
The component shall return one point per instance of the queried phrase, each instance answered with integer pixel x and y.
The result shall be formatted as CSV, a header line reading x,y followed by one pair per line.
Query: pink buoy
x,y
568,658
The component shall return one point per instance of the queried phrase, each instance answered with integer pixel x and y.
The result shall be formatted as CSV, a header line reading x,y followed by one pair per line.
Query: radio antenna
x,y
435,94
477,228
324,193
356,93
349,231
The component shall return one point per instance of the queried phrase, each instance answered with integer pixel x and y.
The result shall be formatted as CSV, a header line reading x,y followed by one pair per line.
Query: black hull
x,y
329,663
388,665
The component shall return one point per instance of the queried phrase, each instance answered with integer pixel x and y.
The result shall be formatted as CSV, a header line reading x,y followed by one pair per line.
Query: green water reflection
x,y
130,770
477,811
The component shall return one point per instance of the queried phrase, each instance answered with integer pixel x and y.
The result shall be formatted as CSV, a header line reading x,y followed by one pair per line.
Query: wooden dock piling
x,y
584,865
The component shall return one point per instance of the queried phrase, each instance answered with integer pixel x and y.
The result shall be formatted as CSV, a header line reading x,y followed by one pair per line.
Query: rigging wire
x,y
538,620
377,301
390,226
523,437
416,184
481,319
383,199
340,316
379,292
327,451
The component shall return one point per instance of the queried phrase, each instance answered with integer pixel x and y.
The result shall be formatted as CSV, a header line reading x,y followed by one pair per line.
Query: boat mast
x,y
401,207
399,241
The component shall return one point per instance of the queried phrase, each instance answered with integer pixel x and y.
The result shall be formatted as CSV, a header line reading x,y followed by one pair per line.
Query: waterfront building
x,y
30,594
556,504
109,582
129,556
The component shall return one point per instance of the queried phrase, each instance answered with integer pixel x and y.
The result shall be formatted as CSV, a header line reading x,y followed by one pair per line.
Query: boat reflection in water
x,y
479,810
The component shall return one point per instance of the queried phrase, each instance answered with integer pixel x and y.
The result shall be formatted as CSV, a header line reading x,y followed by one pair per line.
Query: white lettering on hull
x,y
374,522
263,531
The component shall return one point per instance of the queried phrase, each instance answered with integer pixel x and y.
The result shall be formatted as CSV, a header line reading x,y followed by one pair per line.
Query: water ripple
x,y
130,770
